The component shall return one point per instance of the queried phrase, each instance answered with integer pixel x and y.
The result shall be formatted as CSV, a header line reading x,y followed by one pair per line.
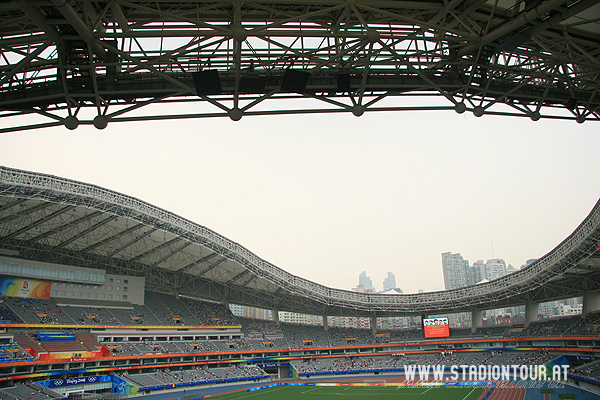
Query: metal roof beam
x,y
66,226
206,270
25,211
156,248
513,25
168,255
128,244
36,16
77,23
121,234
85,232
186,268
36,223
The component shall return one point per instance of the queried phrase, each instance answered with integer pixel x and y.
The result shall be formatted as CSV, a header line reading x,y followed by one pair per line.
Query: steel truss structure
x,y
72,62
56,220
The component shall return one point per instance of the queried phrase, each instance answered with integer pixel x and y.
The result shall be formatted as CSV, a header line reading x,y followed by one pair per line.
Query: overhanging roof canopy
x,y
97,62
51,219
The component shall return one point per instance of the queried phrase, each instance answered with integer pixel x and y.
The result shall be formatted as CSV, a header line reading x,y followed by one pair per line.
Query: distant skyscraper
x,y
475,273
237,310
389,282
250,312
365,281
455,269
488,271
294,318
494,269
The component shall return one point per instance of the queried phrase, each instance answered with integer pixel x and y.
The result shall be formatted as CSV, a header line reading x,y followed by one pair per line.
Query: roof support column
x,y
80,27
476,320
325,323
374,324
275,315
591,303
531,313
38,18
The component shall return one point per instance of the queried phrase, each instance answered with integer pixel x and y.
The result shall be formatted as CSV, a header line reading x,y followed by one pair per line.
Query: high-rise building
x,y
494,269
294,318
349,322
474,274
237,310
389,282
488,271
250,312
365,281
455,269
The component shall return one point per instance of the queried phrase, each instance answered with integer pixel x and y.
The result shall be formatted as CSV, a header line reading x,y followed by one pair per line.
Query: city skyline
x,y
459,273
475,273
325,197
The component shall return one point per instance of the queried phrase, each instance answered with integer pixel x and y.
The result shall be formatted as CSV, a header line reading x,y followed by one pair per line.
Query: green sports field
x,y
381,393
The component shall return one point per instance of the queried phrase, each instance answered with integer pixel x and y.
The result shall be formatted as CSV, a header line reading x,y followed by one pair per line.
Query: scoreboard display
x,y
436,327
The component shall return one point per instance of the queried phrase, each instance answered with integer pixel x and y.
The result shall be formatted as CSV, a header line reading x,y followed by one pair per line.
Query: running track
x,y
503,390
508,391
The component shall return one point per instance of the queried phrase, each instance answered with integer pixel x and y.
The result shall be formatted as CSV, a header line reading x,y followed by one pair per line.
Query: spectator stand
x,y
167,379
169,310
30,391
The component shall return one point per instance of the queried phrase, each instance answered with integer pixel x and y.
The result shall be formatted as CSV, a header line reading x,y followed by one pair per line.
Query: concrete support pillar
x,y
531,313
325,323
591,303
476,320
374,324
275,315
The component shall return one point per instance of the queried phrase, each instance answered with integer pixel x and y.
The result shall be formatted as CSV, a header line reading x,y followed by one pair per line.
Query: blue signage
x,y
76,381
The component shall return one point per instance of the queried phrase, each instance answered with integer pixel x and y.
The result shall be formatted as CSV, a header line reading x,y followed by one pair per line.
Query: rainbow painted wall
x,y
25,288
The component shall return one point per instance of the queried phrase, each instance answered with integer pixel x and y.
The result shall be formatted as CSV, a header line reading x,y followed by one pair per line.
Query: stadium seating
x,y
397,362
197,375
137,315
38,311
169,310
210,314
256,336
31,391
589,326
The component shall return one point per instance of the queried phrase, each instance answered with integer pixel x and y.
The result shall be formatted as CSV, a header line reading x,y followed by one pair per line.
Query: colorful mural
x,y
26,288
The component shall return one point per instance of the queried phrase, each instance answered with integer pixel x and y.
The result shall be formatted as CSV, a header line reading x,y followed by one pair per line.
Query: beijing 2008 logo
x,y
25,285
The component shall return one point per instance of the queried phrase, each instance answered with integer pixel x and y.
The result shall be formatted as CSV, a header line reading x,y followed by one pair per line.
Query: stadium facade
x,y
171,282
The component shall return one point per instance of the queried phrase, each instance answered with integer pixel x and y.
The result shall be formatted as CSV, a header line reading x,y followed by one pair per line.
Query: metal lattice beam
x,y
67,62
136,238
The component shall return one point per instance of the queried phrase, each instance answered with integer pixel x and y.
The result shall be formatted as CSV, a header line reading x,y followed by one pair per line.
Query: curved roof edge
x,y
512,289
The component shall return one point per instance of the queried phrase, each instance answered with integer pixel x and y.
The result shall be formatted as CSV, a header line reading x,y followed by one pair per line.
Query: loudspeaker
x,y
207,82
343,83
571,103
252,85
294,81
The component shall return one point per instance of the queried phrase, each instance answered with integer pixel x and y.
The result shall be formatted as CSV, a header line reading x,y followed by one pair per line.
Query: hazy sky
x,y
328,196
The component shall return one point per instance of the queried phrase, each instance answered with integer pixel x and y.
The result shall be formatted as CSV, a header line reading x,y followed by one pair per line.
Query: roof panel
x,y
84,225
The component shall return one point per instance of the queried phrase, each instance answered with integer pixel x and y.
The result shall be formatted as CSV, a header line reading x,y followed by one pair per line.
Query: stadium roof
x,y
68,62
50,219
